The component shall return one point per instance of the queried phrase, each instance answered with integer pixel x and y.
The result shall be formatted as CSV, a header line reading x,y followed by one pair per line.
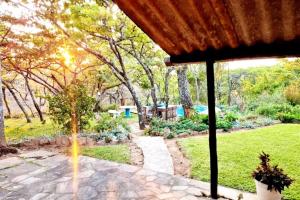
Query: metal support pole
x,y
212,129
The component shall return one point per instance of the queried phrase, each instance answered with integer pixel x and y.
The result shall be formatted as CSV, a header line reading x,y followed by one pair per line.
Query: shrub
x,y
199,127
170,135
264,121
116,135
296,110
108,123
273,176
271,110
247,124
231,117
60,106
275,97
107,139
105,123
223,124
181,131
288,117
160,123
200,118
249,116
292,93
183,125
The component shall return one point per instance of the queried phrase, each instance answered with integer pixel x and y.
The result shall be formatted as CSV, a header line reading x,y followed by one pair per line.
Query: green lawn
x,y
118,153
238,155
17,129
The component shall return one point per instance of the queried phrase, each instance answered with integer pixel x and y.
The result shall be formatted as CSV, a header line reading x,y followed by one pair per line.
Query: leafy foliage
x,y
201,118
231,117
111,128
109,123
183,125
288,117
60,106
286,113
273,176
292,93
270,110
223,124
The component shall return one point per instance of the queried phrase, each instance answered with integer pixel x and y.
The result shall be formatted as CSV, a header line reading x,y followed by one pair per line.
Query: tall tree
x,y
107,34
184,93
139,46
6,103
10,89
2,136
37,107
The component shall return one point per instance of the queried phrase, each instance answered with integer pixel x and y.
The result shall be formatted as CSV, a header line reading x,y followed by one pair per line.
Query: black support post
x,y
212,129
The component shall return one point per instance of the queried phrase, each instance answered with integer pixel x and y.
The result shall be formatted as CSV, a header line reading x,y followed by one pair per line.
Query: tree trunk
x,y
167,76
183,86
24,101
150,77
197,89
138,105
18,102
2,135
153,90
34,101
154,99
229,88
6,103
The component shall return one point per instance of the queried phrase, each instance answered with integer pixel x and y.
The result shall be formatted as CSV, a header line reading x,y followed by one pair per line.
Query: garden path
x,y
42,175
155,151
156,154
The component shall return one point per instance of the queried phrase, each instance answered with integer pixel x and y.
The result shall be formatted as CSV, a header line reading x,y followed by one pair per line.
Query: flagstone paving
x,y
50,177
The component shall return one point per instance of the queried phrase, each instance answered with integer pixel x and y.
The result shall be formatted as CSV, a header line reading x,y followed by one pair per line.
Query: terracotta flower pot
x,y
264,194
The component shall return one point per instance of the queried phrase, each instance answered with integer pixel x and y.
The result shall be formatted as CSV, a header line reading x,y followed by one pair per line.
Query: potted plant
x,y
270,180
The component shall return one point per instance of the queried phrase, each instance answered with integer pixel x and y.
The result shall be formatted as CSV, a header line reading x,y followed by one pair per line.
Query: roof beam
x,y
277,49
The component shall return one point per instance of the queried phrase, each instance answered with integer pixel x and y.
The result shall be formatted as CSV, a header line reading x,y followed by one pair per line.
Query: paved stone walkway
x,y
156,154
49,177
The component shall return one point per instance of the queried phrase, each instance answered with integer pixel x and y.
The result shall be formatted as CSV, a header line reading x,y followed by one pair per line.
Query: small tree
x,y
72,103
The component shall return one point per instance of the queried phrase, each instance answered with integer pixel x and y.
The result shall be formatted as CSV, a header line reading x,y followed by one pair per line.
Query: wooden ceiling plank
x,y
160,38
210,37
172,32
288,19
225,22
264,20
240,23
191,34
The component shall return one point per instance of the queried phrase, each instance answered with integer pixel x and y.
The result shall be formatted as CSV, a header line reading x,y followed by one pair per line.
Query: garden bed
x,y
180,162
198,125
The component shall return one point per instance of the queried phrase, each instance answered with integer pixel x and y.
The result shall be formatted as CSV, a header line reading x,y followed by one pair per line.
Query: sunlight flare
x,y
67,57
75,163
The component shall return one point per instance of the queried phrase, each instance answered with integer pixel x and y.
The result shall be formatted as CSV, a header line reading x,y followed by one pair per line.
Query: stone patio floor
x,y
42,175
